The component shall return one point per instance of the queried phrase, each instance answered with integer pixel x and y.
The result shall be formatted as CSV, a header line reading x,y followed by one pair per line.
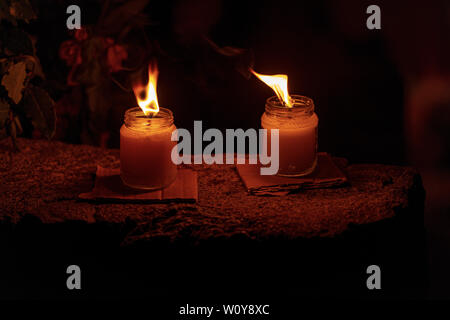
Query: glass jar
x,y
145,149
297,134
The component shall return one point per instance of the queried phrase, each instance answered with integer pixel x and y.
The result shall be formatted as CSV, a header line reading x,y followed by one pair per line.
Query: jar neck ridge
x,y
136,119
301,107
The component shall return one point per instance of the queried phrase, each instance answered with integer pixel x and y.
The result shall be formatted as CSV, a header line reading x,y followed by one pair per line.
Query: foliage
x,y
18,66
105,59
102,59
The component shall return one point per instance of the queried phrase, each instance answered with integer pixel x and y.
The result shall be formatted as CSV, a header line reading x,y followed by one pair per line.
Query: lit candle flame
x,y
146,96
278,83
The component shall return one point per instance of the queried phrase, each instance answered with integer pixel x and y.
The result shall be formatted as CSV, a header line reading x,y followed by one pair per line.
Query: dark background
x,y
381,95
359,79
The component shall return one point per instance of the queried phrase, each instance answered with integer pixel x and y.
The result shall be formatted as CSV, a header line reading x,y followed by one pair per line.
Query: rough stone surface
x,y
44,179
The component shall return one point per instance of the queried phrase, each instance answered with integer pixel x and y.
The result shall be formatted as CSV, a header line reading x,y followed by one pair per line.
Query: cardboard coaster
x,y
109,186
326,175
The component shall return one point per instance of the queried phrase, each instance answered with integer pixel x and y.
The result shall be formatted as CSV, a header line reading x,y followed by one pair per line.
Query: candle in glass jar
x,y
297,136
145,149
145,140
296,121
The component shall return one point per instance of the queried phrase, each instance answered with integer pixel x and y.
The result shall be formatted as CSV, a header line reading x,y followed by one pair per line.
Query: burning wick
x,y
146,96
278,83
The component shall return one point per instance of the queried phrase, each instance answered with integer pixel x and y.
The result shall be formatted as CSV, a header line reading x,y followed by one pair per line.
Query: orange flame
x,y
278,83
146,96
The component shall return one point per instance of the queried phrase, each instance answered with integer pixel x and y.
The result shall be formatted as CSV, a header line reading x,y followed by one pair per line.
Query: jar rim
x,y
136,119
300,105
137,112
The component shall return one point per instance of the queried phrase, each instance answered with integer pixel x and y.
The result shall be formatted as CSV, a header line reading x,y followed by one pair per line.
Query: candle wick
x,y
284,104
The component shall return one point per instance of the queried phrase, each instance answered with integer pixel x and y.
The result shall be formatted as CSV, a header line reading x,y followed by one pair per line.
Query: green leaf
x,y
4,113
34,65
14,79
39,107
